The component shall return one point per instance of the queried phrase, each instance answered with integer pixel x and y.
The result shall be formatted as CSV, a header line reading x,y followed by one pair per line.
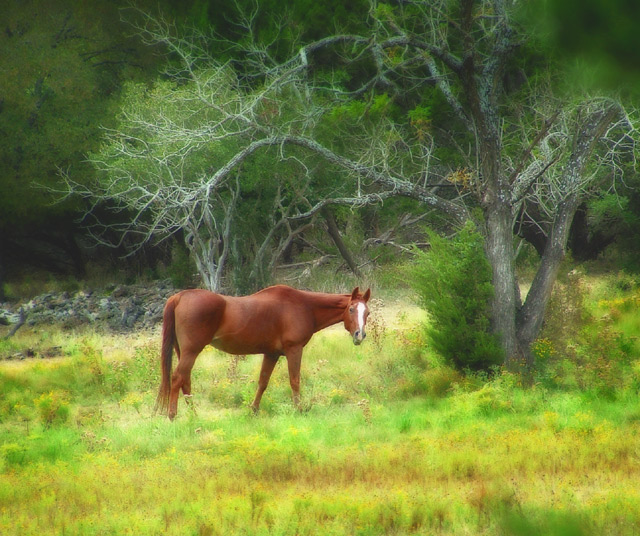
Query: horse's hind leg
x,y
294,359
268,364
186,390
181,379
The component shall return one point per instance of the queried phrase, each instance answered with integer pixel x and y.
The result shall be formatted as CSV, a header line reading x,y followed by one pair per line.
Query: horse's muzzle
x,y
358,337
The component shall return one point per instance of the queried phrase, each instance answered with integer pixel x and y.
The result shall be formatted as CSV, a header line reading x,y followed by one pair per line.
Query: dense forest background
x,y
64,69
230,139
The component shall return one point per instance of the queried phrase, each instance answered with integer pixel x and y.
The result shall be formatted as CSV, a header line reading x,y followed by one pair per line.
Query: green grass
x,y
390,442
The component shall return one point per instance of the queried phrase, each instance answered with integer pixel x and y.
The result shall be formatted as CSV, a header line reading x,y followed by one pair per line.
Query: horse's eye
x,y
352,310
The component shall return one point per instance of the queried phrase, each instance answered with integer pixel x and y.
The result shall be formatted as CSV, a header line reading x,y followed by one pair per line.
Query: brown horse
x,y
276,321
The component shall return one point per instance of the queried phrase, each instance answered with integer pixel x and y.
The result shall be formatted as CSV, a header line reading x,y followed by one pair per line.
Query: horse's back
x,y
283,293
265,322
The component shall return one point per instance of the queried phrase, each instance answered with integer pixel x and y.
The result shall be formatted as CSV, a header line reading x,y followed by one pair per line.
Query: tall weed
x,y
53,407
584,346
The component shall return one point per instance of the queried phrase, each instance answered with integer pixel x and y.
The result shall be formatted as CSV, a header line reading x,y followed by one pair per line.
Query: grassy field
x,y
390,442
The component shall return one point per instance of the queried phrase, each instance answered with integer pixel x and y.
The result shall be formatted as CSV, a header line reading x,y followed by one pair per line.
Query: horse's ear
x,y
354,294
367,295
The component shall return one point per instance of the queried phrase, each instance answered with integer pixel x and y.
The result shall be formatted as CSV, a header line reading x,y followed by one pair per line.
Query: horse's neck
x,y
328,309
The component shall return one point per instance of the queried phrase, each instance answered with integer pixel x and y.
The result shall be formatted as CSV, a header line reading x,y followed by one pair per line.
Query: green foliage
x,y
610,209
139,374
566,314
616,217
283,25
597,37
63,71
384,11
351,117
591,347
420,118
181,269
453,283
53,407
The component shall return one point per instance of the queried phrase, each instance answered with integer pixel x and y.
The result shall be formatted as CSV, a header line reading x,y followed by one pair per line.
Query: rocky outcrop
x,y
116,307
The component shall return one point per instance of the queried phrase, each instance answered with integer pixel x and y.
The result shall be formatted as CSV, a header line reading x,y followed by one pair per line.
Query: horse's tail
x,y
166,354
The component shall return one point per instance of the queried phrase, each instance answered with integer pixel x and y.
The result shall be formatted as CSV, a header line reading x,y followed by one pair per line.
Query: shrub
x,y
593,352
13,453
439,381
53,408
453,283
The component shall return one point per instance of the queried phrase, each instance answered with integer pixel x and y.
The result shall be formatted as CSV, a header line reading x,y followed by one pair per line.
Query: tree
x,y
160,170
521,154
192,156
432,93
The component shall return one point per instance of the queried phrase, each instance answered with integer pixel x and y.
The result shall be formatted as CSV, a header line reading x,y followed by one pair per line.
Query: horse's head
x,y
356,313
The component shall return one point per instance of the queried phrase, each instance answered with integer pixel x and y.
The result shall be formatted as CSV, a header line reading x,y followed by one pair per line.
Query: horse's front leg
x,y
268,364
294,359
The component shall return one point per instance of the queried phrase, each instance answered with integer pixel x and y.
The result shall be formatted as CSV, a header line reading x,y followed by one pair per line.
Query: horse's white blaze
x,y
361,309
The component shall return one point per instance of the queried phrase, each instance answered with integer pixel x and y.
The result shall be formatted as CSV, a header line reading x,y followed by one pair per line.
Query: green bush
x,y
53,408
453,283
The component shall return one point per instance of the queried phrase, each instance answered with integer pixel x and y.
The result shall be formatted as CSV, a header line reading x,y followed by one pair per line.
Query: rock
x,y
118,308
7,317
